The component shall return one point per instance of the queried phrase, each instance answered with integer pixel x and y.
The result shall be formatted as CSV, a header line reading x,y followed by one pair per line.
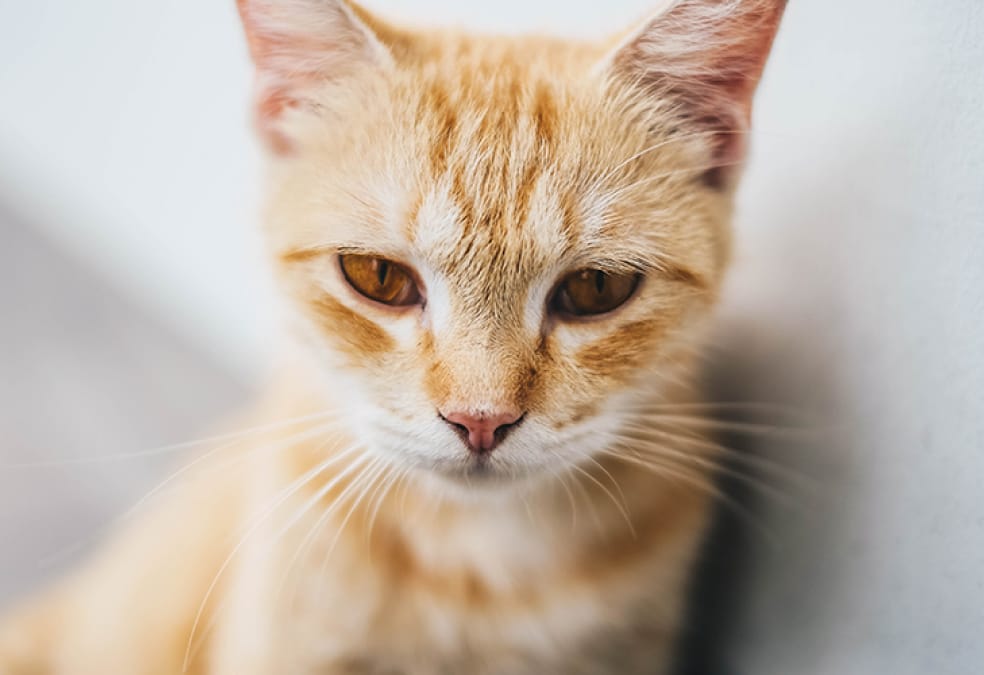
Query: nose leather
x,y
482,432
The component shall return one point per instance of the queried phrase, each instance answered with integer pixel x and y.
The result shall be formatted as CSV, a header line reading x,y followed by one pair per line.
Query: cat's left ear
x,y
300,45
701,60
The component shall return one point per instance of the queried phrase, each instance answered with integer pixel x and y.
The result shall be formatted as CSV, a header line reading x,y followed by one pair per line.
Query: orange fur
x,y
366,539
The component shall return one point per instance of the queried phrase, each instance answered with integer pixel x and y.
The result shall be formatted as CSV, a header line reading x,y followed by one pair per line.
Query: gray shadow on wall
x,y
750,521
90,381
783,544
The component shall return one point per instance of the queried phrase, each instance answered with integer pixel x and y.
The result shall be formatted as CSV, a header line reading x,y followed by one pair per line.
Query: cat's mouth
x,y
475,470
480,467
477,467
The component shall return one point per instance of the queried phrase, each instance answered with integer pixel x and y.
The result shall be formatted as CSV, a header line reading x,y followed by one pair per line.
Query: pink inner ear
x,y
295,46
270,106
728,152
273,91
728,118
710,55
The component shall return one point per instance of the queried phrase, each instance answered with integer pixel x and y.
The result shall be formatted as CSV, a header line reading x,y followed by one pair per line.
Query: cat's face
x,y
498,248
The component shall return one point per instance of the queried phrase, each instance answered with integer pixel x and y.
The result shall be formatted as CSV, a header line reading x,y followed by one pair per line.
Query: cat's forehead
x,y
452,230
504,174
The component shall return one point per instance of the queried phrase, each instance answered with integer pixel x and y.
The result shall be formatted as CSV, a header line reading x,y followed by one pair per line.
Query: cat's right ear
x,y
300,45
702,60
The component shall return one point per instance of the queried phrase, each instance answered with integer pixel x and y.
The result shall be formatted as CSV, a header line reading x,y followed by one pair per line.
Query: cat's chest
x,y
484,596
463,627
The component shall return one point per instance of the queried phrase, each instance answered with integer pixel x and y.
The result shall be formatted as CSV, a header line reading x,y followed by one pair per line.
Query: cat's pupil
x,y
600,282
382,271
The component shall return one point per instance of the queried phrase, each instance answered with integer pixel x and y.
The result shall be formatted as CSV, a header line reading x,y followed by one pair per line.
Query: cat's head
x,y
501,246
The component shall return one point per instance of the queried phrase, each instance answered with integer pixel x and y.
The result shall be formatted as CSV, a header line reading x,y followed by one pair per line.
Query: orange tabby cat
x,y
500,252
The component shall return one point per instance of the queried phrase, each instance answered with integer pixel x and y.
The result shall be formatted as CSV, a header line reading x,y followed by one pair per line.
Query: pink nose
x,y
482,433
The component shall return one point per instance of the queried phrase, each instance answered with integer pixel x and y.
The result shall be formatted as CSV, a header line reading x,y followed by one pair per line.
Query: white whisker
x,y
163,450
282,497
620,506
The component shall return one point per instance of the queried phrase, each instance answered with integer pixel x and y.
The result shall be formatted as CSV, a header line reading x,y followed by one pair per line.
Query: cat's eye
x,y
379,279
590,292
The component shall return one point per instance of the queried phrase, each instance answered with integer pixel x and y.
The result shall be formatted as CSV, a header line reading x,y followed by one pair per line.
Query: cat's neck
x,y
556,522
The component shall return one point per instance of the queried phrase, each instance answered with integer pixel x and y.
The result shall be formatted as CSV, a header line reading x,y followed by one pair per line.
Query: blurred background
x,y
135,310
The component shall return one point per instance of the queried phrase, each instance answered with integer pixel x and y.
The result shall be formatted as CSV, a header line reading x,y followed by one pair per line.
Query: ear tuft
x,y
298,45
707,56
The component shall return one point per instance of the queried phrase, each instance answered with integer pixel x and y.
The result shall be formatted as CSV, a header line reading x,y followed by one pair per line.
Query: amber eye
x,y
381,280
588,292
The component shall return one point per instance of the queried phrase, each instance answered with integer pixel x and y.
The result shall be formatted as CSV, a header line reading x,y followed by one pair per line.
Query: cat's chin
x,y
474,478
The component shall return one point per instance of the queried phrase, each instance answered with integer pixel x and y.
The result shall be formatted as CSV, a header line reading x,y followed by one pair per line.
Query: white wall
x,y
858,291
860,294
122,130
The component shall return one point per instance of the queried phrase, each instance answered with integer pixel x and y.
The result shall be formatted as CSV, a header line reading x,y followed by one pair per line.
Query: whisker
x,y
203,634
615,483
131,511
322,520
298,437
690,170
163,450
404,488
306,507
774,469
656,146
710,466
570,497
748,428
680,473
622,505
744,407
527,509
377,503
380,470
283,496
592,509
